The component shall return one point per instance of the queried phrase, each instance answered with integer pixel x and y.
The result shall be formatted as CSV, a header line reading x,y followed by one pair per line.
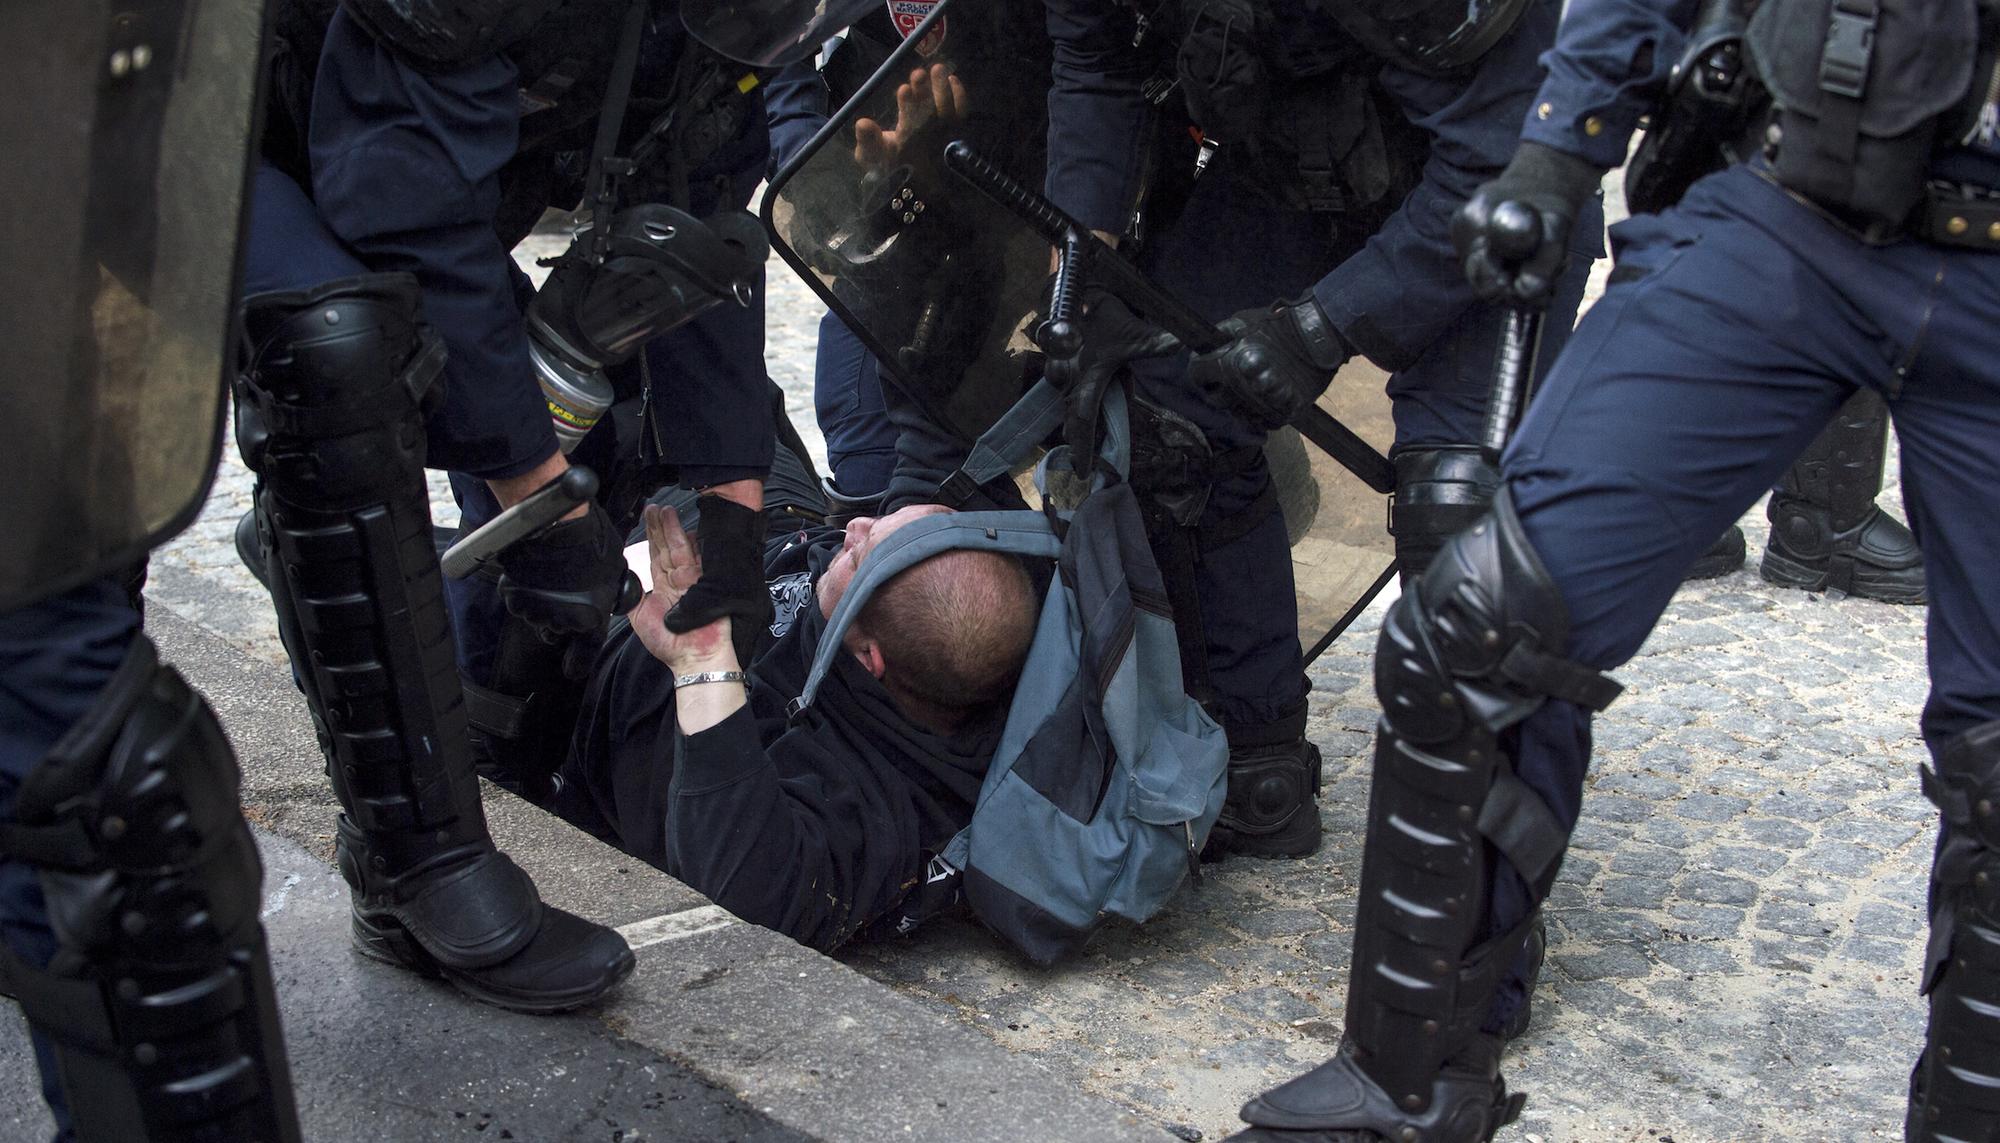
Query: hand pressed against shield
x,y
932,97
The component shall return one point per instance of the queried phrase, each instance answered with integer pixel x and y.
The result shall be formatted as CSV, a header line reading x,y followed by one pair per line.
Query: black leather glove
x,y
731,542
1517,254
1279,359
568,579
1111,337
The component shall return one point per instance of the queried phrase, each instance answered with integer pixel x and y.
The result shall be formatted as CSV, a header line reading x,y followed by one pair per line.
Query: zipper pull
x,y
1205,155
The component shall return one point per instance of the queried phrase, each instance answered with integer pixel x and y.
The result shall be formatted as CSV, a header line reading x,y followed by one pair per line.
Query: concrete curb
x,y
800,1037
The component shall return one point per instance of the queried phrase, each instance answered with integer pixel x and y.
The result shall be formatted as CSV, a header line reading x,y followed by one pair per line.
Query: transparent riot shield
x,y
1342,555
128,126
943,282
937,280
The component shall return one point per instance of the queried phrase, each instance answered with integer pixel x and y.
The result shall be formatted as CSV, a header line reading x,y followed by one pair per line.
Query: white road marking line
x,y
676,926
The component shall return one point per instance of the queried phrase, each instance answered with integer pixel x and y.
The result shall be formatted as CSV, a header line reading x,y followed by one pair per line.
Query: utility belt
x,y
1959,214
1866,95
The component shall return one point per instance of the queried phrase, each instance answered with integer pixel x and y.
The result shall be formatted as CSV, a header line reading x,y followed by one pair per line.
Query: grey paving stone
x,y
1746,860
1648,862
1705,922
1635,892
1710,807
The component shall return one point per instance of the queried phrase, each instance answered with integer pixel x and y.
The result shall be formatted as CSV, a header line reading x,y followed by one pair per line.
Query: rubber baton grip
x,y
1513,367
540,509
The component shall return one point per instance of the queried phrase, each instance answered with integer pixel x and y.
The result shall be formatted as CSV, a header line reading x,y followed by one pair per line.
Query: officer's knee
x,y
1479,637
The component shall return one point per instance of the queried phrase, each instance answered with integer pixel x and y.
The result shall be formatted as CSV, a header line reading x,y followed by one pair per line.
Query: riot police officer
x,y
1310,155
1864,229
409,147
130,885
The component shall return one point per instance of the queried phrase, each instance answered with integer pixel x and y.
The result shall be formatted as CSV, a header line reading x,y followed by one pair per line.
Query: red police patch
x,y
907,14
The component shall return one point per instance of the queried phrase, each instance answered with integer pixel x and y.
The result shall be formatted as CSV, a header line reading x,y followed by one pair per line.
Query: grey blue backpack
x,y
1108,776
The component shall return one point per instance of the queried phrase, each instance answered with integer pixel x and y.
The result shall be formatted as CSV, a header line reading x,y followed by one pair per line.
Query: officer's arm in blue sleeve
x,y
1098,117
796,106
1404,288
1610,63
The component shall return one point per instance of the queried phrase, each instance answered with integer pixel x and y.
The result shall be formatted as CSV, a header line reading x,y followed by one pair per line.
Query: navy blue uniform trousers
x,y
56,657
1230,250
1734,326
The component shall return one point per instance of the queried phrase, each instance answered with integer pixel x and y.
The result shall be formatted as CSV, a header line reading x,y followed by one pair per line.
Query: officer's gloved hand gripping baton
x,y
1513,234
1119,277
539,510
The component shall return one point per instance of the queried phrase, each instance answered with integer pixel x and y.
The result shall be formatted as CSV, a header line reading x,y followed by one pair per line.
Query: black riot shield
x,y
128,126
944,284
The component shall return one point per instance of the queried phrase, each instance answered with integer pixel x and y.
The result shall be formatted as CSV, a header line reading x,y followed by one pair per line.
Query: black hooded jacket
x,y
815,830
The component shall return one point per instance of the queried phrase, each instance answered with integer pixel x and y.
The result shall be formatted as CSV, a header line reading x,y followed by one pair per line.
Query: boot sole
x,y
1785,571
1291,843
389,943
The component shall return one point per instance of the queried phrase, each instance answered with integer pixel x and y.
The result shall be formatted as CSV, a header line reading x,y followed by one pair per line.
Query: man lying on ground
x,y
818,830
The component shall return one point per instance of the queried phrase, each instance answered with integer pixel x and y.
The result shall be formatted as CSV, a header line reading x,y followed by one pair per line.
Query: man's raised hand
x,y
676,567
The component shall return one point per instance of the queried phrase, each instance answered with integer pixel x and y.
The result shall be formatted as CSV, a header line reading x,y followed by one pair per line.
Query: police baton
x,y
540,509
1514,235
1131,286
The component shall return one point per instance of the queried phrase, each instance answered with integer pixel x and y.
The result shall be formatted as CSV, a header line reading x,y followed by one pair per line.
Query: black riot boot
x,y
1826,531
1439,492
330,415
1272,808
1724,556
1955,1088
1469,1102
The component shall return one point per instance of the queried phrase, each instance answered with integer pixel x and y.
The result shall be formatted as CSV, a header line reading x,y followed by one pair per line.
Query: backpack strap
x,y
1021,533
1013,439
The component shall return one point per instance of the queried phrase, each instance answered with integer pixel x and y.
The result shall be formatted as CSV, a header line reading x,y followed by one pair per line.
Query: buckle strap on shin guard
x,y
1556,677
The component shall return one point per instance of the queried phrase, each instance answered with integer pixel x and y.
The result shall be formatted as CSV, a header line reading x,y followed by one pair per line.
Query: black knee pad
x,y
159,1001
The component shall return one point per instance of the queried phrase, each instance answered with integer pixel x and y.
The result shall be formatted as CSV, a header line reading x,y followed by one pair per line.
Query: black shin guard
x,y
159,1001
1439,493
330,417
1470,650
1955,1089
1826,531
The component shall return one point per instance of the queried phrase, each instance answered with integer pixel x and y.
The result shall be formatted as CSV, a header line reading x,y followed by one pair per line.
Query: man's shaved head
x,y
954,629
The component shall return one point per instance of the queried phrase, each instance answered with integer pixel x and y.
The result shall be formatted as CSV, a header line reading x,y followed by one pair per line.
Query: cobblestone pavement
x,y
1736,935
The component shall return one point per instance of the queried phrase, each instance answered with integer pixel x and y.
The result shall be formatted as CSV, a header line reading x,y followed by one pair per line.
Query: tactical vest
x,y
1866,93
564,64
1284,96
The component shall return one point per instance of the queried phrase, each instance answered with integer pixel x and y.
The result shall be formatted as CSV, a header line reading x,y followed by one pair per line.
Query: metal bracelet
x,y
710,677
